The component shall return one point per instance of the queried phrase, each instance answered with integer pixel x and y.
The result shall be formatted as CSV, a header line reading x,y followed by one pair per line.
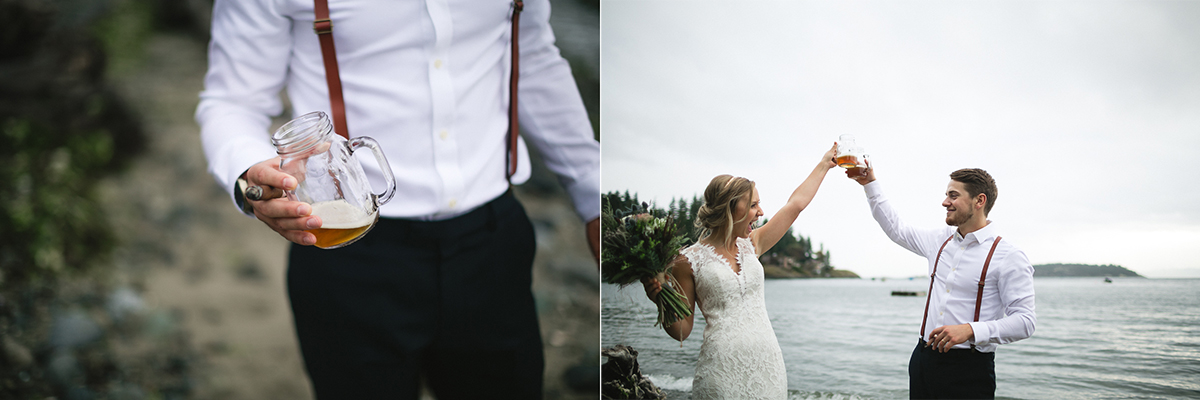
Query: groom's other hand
x,y
857,174
947,336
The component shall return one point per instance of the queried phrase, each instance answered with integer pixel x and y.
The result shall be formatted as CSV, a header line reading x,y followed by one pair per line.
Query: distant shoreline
x,y
1039,271
1082,270
1057,270
771,271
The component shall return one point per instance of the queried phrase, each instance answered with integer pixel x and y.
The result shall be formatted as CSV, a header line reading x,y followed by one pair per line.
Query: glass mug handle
x,y
363,141
862,165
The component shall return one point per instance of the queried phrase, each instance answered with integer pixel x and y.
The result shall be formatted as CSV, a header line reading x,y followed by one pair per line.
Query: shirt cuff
x,y
585,195
982,333
873,189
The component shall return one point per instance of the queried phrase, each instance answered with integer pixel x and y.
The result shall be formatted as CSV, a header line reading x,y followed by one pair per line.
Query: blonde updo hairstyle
x,y
720,200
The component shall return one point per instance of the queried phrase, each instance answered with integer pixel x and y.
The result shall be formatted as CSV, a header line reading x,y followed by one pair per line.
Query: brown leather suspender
x,y
929,294
513,129
324,28
982,275
978,296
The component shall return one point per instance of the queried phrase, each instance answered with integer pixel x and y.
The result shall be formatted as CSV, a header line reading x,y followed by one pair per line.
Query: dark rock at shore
x,y
622,377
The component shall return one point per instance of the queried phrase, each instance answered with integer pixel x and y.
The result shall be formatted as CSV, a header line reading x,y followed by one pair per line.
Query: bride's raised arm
x,y
769,234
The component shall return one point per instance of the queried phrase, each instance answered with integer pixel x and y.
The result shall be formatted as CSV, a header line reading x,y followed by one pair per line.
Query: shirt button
x,y
947,290
940,313
437,64
453,203
443,134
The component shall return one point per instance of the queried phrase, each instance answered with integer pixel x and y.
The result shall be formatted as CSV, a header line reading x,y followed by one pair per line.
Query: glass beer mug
x,y
330,179
850,155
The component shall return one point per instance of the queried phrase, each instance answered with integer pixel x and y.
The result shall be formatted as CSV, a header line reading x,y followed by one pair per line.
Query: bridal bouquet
x,y
639,245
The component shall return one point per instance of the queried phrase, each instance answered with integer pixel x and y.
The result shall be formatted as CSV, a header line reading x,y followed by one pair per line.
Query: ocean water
x,y
851,339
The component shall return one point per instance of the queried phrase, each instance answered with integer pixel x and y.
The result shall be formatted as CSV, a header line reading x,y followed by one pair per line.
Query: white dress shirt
x,y
1007,314
427,79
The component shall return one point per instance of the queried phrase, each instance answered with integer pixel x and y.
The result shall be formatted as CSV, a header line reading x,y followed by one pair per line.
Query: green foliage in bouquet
x,y
639,245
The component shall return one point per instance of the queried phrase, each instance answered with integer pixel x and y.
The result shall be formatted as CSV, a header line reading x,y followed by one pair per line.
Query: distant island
x,y
1083,270
774,271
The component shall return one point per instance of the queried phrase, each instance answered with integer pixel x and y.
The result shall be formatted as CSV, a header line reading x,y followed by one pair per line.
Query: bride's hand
x,y
652,287
828,160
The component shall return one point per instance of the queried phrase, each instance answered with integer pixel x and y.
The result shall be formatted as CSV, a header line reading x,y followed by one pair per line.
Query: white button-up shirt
x,y
1007,314
427,79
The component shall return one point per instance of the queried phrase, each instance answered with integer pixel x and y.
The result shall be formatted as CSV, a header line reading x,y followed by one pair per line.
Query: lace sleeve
x,y
694,257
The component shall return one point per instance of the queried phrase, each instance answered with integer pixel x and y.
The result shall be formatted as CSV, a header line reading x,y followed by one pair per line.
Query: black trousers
x,y
447,300
958,374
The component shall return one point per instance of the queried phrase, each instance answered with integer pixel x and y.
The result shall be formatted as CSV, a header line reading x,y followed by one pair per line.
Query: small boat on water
x,y
907,293
1107,280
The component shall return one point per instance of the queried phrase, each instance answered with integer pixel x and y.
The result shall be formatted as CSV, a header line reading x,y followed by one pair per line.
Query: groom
x,y
966,315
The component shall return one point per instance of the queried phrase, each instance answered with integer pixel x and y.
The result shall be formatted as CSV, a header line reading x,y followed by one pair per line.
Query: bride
x,y
740,357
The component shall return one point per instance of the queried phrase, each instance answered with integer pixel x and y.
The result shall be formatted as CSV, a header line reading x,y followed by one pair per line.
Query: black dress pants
x,y
449,301
958,374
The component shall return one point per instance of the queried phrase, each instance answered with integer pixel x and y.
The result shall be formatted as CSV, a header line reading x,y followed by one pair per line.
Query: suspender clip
x,y
323,26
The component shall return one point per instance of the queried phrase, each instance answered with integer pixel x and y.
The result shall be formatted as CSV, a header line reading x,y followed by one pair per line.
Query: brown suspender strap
x,y
324,28
929,294
978,296
982,276
513,128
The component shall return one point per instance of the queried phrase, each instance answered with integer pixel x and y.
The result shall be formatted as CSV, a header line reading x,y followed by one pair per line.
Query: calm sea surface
x,y
1133,338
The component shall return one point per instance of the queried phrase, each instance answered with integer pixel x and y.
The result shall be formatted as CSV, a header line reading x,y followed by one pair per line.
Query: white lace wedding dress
x,y
740,356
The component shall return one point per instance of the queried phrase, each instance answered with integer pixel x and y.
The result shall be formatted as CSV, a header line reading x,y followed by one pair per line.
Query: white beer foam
x,y
339,214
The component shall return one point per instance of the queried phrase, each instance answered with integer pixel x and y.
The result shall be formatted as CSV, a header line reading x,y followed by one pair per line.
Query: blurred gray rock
x,y
126,391
124,302
73,329
16,354
63,368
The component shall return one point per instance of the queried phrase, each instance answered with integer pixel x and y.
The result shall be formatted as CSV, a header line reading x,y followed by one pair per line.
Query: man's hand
x,y
947,336
593,234
288,218
857,174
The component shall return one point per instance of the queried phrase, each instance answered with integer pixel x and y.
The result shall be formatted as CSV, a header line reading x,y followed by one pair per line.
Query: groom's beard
x,y
957,218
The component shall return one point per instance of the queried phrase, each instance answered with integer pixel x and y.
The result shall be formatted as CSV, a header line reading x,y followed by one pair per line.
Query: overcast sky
x,y
1087,114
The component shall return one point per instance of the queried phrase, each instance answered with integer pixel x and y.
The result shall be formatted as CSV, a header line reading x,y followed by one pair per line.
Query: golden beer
x,y
341,223
847,161
856,171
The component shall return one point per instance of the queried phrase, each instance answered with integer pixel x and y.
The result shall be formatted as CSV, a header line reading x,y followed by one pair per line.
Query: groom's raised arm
x,y
920,241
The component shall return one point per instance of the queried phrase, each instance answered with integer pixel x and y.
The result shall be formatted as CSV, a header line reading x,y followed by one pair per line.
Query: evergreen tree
x,y
793,249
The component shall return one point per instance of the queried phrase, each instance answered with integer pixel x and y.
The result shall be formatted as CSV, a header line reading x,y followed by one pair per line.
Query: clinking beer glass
x,y
330,179
851,156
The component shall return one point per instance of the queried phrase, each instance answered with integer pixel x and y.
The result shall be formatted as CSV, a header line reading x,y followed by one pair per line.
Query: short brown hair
x,y
977,181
